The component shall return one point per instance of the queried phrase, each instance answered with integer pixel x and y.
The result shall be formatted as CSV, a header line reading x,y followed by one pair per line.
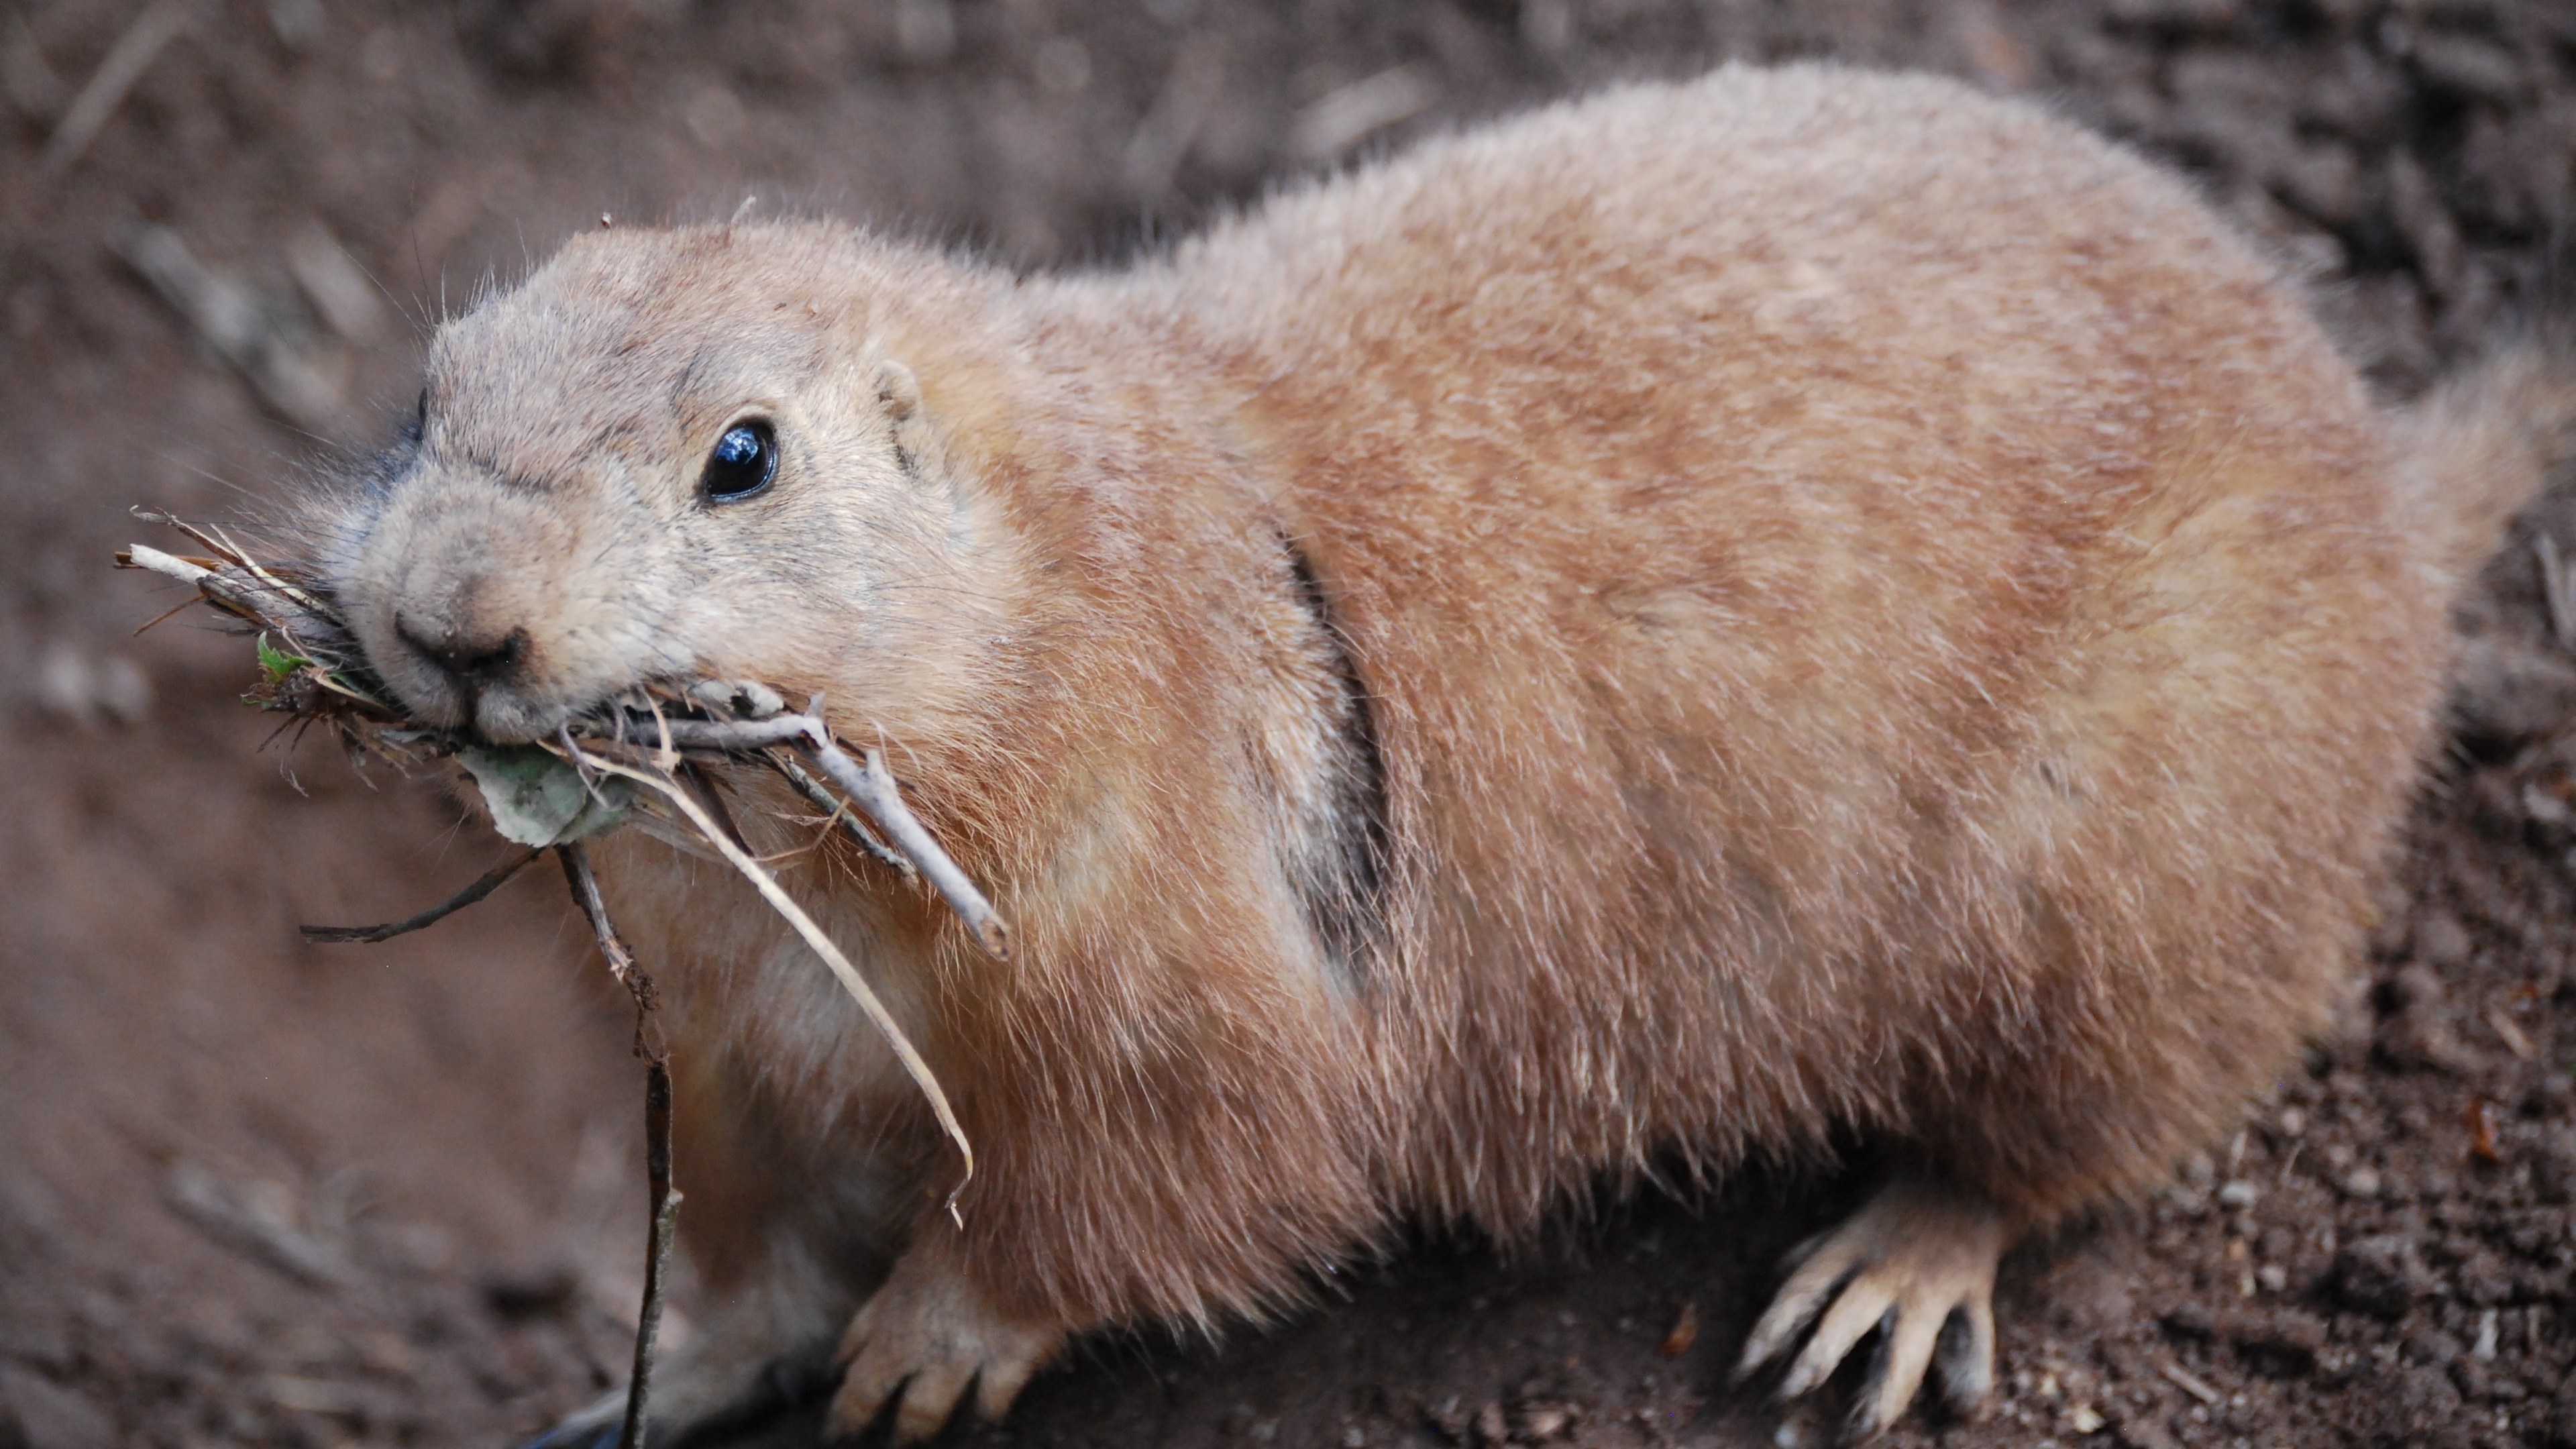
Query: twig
x,y
621,962
666,1221
144,556
874,790
657,1132
2190,1383
749,734
236,322
669,758
839,809
273,1237
251,595
794,914
484,885
302,599
165,616
108,85
2512,1036
572,752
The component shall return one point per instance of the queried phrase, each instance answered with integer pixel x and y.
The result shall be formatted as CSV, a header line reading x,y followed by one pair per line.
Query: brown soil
x,y
257,1192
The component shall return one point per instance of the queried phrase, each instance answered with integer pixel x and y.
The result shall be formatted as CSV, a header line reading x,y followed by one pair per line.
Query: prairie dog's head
x,y
670,455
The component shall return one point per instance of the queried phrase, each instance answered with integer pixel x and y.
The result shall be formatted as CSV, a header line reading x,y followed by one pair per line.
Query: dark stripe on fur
x,y
1347,914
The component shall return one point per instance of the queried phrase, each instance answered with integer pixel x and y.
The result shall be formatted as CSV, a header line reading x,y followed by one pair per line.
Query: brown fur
x,y
1870,612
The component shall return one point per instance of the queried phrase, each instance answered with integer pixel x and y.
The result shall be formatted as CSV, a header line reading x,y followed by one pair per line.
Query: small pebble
x,y
1542,1422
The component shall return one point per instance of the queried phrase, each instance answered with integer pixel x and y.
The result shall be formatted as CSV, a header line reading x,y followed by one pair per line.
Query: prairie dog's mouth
x,y
670,715
637,714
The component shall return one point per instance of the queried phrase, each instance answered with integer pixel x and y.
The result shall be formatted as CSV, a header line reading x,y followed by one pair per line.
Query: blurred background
x,y
258,1192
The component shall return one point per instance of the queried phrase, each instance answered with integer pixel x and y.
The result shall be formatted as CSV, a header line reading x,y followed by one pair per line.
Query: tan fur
x,y
1872,613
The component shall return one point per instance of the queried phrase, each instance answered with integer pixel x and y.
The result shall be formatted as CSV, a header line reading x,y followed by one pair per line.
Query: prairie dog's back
x,y
1816,581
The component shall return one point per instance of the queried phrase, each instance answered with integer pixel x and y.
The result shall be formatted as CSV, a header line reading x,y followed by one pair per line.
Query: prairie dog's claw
x,y
1918,1256
927,1335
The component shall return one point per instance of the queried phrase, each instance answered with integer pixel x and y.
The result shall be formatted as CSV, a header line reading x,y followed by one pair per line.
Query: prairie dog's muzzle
x,y
470,604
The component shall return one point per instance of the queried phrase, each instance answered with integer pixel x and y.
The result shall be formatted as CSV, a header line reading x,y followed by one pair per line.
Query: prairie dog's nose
x,y
471,657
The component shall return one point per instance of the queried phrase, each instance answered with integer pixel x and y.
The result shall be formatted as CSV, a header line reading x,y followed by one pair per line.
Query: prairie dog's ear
x,y
915,440
898,392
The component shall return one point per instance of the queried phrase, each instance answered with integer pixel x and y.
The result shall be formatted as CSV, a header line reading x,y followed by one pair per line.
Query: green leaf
x,y
537,798
276,663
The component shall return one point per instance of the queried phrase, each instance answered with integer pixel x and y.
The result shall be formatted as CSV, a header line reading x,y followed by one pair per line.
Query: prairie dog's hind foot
x,y
930,1334
1917,1263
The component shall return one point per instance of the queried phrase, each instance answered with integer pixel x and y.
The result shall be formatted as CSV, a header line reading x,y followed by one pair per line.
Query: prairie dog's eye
x,y
744,461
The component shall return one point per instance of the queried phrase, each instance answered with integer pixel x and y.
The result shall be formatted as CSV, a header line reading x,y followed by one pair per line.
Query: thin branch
x,y
621,962
874,790
666,1221
484,885
657,1132
729,735
250,565
839,809
144,556
166,615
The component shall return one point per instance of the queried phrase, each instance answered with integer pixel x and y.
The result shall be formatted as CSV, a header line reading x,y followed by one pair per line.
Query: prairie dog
x,y
1718,617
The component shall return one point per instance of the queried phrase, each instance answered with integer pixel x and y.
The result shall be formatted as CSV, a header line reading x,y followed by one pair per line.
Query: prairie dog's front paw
x,y
1918,1265
926,1335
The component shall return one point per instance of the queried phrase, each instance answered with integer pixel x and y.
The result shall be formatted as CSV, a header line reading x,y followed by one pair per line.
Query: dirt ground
x,y
257,1192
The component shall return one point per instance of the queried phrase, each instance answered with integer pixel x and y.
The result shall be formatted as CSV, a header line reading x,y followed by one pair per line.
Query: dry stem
x,y
657,1132
487,883
839,811
874,790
